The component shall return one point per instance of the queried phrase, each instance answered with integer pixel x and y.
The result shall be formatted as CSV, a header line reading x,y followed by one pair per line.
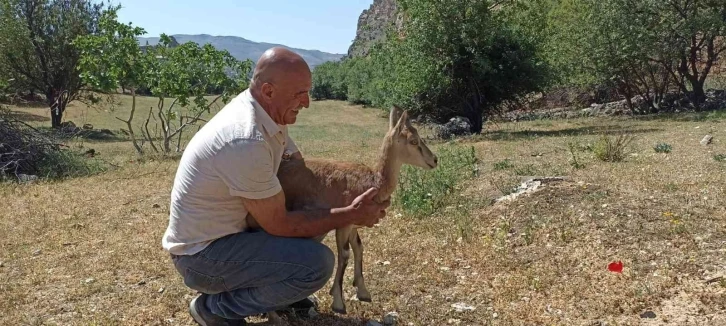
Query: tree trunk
x,y
699,95
477,121
56,109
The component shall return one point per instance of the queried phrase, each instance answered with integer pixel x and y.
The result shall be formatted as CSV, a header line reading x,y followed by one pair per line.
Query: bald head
x,y
280,83
277,63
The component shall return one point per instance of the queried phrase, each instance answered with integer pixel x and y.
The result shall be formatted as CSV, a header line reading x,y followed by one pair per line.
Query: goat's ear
x,y
393,118
403,121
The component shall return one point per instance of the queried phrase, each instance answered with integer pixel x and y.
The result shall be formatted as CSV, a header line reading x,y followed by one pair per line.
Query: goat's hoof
x,y
363,295
339,310
365,298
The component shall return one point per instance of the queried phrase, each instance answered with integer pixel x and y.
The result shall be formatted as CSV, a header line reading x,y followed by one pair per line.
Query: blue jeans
x,y
251,273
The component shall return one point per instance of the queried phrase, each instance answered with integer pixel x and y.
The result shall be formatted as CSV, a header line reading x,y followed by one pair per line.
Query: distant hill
x,y
242,48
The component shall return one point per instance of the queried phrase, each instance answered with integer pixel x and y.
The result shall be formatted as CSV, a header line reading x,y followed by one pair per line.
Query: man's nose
x,y
305,100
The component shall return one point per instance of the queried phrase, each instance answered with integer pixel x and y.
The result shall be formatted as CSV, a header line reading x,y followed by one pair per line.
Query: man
x,y
228,171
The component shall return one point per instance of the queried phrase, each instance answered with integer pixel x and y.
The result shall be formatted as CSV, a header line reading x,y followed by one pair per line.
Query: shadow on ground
x,y
320,320
28,117
611,130
685,117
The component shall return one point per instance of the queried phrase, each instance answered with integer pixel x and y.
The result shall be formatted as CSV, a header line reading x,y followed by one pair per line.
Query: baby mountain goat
x,y
317,183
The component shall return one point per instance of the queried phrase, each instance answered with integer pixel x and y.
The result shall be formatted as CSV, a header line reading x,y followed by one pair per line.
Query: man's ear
x,y
266,90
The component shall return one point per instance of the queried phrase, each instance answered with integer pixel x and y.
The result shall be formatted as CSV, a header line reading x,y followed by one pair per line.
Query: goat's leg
x,y
357,245
341,238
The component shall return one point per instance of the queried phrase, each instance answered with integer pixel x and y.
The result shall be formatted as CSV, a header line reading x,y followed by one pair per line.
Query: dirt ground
x,y
87,251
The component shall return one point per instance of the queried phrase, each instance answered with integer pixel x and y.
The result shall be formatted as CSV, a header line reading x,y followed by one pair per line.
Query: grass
x,y
86,251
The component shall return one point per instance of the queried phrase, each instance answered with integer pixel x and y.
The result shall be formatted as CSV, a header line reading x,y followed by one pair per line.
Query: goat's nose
x,y
436,160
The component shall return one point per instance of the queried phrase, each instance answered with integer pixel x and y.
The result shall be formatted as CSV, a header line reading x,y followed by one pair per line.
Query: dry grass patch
x,y
87,251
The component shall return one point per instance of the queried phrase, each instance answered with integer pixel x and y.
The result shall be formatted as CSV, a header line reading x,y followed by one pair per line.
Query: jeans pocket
x,y
204,283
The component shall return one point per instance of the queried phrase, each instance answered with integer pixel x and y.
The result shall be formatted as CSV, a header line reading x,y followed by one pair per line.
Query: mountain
x,y
243,49
372,25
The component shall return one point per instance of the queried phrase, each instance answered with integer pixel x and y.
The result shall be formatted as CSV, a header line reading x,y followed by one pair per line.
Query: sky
x,y
325,25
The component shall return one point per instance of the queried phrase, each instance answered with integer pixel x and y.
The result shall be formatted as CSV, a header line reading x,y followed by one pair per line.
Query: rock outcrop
x,y
372,26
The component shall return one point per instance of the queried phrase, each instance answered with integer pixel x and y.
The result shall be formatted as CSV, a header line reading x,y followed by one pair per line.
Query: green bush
x,y
66,163
720,157
612,149
662,148
421,193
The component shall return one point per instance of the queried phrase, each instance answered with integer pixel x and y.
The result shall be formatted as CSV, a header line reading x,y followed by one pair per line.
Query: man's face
x,y
289,96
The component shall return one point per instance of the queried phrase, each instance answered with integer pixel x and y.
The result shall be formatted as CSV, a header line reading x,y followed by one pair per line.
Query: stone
x,y
457,126
461,307
27,178
373,323
706,140
647,314
390,319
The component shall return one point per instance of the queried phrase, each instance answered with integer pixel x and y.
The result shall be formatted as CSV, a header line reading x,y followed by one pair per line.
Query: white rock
x,y
90,280
706,140
390,319
461,307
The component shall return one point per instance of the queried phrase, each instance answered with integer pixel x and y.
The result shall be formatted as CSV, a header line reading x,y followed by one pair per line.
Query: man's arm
x,y
270,214
246,167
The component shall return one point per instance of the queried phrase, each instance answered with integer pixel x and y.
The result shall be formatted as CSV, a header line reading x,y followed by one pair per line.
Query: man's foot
x,y
303,309
204,317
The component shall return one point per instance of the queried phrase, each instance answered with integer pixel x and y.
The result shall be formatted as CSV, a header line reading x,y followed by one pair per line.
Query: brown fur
x,y
325,183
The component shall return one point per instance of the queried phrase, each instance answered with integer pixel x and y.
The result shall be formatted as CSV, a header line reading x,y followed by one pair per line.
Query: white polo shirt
x,y
236,154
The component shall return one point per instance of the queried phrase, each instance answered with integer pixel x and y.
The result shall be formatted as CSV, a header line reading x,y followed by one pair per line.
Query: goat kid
x,y
322,184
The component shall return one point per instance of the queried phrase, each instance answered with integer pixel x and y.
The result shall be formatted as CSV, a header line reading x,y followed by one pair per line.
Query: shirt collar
x,y
271,127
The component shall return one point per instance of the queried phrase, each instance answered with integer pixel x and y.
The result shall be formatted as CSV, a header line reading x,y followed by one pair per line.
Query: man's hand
x,y
367,211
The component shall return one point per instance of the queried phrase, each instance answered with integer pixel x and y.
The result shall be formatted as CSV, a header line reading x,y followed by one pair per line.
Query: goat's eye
x,y
414,142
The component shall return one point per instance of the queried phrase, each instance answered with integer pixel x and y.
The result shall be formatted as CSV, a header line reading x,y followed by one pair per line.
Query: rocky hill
x,y
372,25
242,48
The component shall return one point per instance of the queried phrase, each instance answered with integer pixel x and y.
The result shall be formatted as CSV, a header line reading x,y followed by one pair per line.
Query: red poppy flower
x,y
616,267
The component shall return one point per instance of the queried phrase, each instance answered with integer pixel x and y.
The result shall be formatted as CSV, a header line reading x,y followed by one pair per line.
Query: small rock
x,y
706,140
161,289
386,263
647,314
89,280
156,206
27,178
390,319
373,323
461,307
37,252
2,264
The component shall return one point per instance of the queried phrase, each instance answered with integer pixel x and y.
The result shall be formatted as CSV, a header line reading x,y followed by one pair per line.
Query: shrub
x,y
421,193
612,149
662,148
503,165
27,151
720,157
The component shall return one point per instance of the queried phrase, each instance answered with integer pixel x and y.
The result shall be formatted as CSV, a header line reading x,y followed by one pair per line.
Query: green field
x,y
87,251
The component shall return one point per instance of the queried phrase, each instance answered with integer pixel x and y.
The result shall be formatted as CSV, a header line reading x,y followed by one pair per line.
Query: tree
x,y
689,36
640,47
185,73
457,57
36,49
112,58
